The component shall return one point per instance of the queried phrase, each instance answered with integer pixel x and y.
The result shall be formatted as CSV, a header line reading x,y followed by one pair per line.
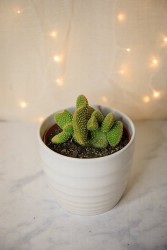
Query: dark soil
x,y
72,149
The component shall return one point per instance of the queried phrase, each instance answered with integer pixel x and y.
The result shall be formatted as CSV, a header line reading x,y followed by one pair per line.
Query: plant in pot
x,y
87,152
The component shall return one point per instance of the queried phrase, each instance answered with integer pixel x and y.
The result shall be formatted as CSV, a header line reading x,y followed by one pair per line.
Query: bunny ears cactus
x,y
88,126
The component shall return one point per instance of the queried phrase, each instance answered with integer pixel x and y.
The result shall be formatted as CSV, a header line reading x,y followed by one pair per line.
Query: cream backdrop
x,y
113,51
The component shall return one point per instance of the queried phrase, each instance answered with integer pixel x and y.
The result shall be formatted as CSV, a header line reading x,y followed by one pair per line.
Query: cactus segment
x,y
92,123
108,122
81,101
98,139
61,137
115,134
99,116
68,128
80,125
63,118
90,111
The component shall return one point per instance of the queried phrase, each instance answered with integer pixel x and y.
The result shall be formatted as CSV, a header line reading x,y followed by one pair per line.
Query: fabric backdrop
x,y
113,51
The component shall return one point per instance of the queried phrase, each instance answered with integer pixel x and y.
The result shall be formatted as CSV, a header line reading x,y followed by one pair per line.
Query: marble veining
x,y
30,219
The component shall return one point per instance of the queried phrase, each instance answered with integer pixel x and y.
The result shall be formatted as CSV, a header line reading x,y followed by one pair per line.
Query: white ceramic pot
x,y
88,186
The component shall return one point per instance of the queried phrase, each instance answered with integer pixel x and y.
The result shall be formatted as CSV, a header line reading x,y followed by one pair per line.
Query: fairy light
x,y
59,82
18,11
23,104
53,34
165,39
156,94
128,49
121,72
40,119
154,62
146,99
121,17
104,99
57,58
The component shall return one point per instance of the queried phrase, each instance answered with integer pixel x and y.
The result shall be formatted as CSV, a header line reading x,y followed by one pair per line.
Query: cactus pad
x,y
63,118
80,125
115,134
98,139
99,116
92,123
81,101
68,128
61,137
108,122
90,111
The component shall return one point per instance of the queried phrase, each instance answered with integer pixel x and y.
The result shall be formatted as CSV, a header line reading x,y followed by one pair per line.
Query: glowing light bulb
x,y
121,17
155,61
156,94
104,99
121,72
146,99
59,81
40,119
57,58
53,34
165,39
18,11
128,49
23,104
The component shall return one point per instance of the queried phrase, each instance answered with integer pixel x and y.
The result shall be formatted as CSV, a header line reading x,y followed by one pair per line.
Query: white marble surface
x,y
30,219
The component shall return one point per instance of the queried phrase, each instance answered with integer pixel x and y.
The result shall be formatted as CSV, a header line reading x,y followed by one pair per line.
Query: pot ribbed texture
x,y
87,186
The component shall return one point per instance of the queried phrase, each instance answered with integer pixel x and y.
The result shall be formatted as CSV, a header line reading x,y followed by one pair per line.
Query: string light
x,y
53,34
146,99
104,99
58,58
59,81
165,39
40,119
121,17
154,62
128,49
121,72
23,104
156,94
18,11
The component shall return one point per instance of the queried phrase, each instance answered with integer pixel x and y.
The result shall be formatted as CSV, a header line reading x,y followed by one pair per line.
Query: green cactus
x,y
90,111
98,139
68,128
108,122
115,134
99,116
80,125
61,137
92,123
88,126
63,118
81,101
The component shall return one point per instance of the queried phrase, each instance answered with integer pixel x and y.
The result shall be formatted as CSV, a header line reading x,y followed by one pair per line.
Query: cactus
x,y
63,118
61,137
108,122
81,101
99,116
80,125
115,134
92,123
88,126
98,139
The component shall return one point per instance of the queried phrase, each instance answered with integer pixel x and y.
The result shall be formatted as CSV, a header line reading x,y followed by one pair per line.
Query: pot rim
x,y
98,159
